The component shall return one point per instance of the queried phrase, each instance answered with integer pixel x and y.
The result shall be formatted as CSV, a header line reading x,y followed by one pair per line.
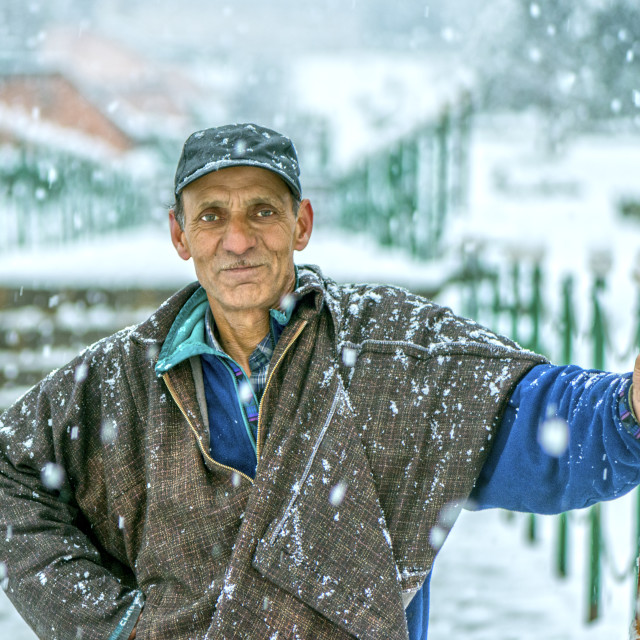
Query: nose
x,y
238,236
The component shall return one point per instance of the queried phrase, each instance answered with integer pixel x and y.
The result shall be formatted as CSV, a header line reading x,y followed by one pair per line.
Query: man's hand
x,y
635,392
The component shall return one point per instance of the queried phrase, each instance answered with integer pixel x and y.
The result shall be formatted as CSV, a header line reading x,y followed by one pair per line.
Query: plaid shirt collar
x,y
260,358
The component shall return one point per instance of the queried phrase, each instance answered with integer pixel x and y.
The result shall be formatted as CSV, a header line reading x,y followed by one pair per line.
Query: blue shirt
x,y
233,398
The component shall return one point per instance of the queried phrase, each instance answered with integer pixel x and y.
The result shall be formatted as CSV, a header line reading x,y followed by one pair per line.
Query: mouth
x,y
240,267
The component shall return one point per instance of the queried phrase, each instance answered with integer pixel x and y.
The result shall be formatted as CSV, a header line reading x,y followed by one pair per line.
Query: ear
x,y
177,237
304,225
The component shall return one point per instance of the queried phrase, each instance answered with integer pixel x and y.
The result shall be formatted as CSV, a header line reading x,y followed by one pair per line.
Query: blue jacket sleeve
x,y
601,459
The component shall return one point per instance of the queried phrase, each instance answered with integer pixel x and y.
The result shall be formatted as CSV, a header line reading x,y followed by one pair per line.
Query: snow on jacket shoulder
x,y
376,418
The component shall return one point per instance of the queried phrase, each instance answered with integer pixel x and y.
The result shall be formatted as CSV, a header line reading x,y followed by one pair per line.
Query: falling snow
x,y
337,493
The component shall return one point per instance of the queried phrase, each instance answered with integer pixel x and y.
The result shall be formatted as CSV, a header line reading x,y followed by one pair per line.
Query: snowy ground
x,y
487,583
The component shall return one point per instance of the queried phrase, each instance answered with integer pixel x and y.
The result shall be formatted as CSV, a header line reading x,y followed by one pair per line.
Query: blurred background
x,y
485,154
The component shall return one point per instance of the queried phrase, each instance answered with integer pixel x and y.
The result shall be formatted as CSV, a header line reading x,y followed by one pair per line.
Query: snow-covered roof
x,y
48,107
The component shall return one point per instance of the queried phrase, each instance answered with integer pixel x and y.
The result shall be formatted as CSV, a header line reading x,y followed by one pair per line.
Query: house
x,y
52,101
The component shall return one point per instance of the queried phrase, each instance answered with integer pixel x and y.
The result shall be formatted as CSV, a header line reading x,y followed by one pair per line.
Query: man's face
x,y
241,229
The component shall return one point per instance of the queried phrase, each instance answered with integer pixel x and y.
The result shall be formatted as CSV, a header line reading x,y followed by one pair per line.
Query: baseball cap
x,y
237,145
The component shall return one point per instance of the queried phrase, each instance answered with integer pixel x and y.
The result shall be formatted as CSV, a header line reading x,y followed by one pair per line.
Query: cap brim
x,y
218,165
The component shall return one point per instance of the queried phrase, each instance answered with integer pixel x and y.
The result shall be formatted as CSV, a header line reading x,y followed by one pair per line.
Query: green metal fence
x,y
511,299
49,196
402,195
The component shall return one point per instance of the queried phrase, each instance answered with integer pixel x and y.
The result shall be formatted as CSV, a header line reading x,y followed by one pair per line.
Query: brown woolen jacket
x,y
377,417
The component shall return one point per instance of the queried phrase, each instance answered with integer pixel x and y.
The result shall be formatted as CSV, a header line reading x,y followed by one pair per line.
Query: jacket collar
x,y
155,329
317,290
186,337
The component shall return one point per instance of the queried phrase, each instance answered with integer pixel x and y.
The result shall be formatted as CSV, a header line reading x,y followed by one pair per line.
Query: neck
x,y
240,333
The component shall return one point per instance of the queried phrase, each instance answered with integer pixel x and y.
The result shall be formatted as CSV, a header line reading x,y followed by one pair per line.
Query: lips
x,y
237,266
240,269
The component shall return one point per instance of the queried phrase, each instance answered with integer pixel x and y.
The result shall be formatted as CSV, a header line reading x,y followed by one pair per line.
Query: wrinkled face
x,y
241,230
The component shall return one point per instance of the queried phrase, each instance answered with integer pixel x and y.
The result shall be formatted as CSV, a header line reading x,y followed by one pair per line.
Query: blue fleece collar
x,y
186,338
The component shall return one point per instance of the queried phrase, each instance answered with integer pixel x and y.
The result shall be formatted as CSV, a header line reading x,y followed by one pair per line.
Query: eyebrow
x,y
251,202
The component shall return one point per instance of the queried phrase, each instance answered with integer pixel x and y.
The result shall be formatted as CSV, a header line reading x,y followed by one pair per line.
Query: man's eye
x,y
265,213
209,217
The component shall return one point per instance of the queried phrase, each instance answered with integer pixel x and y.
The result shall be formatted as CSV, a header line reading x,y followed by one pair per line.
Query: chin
x,y
248,303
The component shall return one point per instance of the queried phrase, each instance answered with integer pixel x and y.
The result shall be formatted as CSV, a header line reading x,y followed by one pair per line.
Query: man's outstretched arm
x,y
529,469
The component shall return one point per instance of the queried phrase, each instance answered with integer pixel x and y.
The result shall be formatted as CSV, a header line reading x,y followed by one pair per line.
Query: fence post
x,y
600,264
567,322
536,307
424,197
535,311
594,563
515,306
460,155
471,270
443,135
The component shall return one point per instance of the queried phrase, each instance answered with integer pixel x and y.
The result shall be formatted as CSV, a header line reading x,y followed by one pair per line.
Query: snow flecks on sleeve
x,y
327,580
360,300
401,357
228,590
114,378
385,532
6,430
486,336
297,554
328,376
495,381
411,574
417,318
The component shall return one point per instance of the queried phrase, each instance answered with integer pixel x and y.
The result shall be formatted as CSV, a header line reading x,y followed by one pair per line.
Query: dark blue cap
x,y
238,145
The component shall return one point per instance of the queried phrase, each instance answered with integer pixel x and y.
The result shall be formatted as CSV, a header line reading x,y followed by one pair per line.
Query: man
x,y
272,454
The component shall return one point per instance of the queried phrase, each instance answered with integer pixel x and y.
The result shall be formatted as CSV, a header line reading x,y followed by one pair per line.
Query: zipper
x,y
201,446
264,392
